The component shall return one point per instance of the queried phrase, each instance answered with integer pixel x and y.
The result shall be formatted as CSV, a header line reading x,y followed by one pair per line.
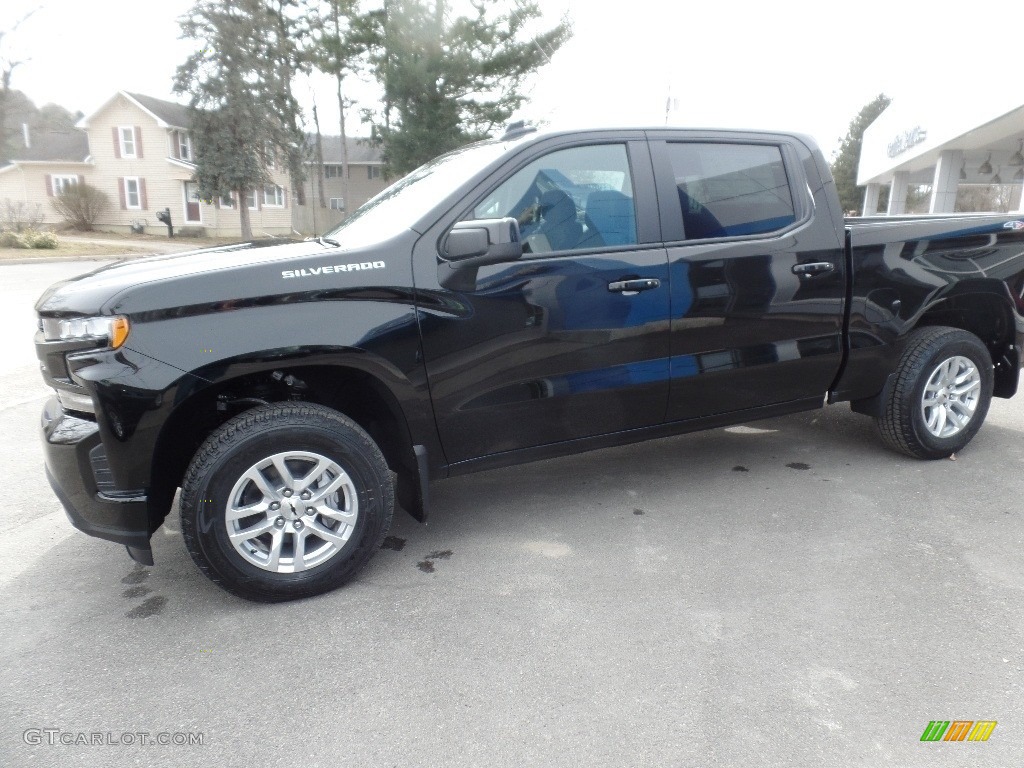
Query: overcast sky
x,y
787,64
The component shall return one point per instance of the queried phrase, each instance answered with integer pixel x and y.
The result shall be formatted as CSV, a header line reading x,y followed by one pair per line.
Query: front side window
x,y
337,204
227,201
250,200
372,172
731,190
571,199
127,134
184,146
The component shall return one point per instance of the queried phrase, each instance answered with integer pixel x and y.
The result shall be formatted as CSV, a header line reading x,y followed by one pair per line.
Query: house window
x,y
126,133
273,196
227,201
132,196
60,183
373,171
184,146
337,204
250,201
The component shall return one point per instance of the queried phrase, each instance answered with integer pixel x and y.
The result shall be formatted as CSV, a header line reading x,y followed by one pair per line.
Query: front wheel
x,y
940,394
285,501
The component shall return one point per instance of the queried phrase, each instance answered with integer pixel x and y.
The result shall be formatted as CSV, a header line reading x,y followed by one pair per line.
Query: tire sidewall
x,y
974,350
214,489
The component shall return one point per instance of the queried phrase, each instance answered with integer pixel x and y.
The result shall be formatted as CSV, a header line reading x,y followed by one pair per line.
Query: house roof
x,y
360,149
167,114
56,146
175,115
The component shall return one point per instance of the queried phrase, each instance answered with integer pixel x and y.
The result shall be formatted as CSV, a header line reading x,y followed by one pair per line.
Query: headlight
x,y
113,329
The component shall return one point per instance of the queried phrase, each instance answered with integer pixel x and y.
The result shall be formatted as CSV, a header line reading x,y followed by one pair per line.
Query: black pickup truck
x,y
521,298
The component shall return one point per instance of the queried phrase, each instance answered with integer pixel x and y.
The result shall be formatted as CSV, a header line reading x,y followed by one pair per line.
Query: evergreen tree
x,y
847,157
243,114
451,81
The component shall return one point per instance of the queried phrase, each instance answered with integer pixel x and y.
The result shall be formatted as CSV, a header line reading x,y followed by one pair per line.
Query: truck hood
x,y
243,270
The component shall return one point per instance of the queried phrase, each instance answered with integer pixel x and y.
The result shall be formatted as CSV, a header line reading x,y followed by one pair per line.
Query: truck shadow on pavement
x,y
529,508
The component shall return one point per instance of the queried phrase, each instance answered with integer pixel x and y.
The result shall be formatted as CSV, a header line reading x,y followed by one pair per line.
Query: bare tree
x,y
8,63
80,205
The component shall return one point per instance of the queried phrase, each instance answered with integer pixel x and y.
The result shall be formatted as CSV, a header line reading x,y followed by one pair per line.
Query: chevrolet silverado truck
x,y
541,294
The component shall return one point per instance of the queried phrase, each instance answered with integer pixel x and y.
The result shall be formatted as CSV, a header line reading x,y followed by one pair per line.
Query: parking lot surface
x,y
786,593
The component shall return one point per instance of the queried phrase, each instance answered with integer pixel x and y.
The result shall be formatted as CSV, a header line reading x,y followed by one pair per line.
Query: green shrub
x,y
43,240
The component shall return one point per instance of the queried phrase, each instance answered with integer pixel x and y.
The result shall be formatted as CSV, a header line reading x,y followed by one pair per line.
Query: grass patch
x,y
67,250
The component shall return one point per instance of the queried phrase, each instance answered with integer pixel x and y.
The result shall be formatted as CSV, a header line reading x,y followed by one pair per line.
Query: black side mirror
x,y
482,241
472,244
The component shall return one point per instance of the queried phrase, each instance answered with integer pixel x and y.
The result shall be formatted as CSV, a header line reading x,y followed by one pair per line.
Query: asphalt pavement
x,y
786,593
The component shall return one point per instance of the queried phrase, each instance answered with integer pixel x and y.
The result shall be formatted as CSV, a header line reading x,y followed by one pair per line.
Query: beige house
x,y
365,179
138,150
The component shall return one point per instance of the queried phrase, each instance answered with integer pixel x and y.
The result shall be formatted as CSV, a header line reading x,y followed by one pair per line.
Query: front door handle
x,y
632,287
814,268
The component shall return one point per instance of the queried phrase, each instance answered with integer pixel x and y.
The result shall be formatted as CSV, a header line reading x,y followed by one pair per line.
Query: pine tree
x,y
847,157
242,111
448,81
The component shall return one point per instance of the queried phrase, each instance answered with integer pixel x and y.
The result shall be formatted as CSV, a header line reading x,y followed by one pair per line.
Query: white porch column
x,y
898,193
870,207
944,184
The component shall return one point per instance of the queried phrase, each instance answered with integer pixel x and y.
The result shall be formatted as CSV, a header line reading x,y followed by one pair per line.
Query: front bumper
x,y
77,472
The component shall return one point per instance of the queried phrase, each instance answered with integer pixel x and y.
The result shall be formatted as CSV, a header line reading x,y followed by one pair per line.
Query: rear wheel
x,y
940,394
285,501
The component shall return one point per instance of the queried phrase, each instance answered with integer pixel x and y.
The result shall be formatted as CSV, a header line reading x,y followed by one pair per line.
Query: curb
x,y
58,259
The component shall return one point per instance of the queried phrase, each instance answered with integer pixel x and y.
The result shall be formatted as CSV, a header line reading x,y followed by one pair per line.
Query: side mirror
x,y
472,244
483,241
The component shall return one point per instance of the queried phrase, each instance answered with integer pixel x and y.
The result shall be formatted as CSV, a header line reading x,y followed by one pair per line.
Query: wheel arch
x,y
984,309
351,385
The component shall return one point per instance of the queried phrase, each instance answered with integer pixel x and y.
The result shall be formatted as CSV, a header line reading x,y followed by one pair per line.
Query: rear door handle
x,y
632,287
814,268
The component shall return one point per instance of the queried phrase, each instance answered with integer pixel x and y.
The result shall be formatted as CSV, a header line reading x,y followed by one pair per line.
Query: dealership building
x,y
944,147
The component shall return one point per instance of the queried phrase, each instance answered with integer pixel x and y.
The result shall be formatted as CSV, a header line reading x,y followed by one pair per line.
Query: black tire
x,y
903,424
221,478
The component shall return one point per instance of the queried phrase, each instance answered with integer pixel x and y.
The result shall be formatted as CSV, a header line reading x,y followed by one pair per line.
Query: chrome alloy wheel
x,y
951,396
291,511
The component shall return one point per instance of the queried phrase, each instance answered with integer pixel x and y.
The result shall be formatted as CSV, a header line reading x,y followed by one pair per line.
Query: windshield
x,y
404,202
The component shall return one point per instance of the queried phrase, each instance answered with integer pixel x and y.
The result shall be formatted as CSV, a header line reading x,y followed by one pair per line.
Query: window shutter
x,y
142,194
138,143
216,202
284,197
120,192
175,149
49,185
117,143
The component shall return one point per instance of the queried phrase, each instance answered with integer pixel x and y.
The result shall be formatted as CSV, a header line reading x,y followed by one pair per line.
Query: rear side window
x,y
731,190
